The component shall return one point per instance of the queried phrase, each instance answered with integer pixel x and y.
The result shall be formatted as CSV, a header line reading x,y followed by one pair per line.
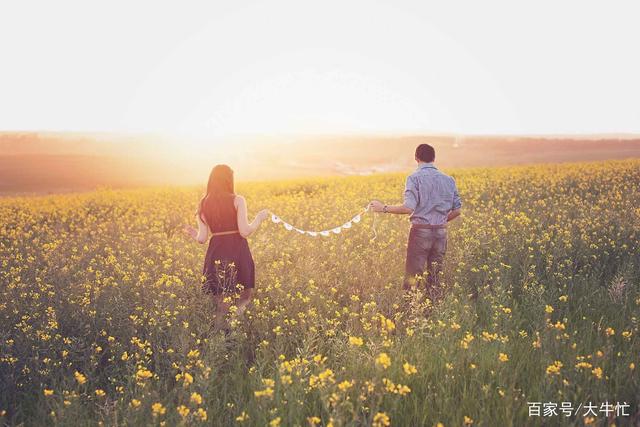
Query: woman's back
x,y
219,213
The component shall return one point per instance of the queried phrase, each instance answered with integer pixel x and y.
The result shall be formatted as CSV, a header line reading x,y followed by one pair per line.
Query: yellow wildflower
x,y
81,379
409,369
381,419
158,409
356,341
183,411
196,398
383,360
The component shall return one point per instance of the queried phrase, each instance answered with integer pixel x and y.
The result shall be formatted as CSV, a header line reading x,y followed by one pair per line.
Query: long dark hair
x,y
219,190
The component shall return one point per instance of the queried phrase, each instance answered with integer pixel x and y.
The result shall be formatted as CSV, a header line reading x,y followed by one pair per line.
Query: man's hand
x,y
453,214
376,206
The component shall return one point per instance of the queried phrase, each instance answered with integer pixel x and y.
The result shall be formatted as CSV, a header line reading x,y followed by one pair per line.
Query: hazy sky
x,y
219,68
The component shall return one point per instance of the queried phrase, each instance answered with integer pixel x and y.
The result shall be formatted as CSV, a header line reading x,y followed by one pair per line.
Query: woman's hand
x,y
263,214
190,231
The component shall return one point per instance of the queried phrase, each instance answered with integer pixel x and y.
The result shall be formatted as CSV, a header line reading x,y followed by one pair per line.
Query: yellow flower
x,y
345,385
286,379
554,369
135,403
585,365
503,357
468,337
158,409
100,392
196,398
383,360
183,411
143,374
81,379
409,369
610,331
632,366
597,372
313,421
468,420
242,417
356,341
548,309
275,422
202,414
267,392
48,392
381,419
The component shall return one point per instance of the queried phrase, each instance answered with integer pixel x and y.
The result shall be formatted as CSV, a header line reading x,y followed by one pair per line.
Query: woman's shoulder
x,y
238,200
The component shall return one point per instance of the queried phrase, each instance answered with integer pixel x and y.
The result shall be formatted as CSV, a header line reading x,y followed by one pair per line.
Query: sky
x,y
325,67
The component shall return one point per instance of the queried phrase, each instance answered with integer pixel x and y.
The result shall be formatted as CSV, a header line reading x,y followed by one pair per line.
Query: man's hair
x,y
425,153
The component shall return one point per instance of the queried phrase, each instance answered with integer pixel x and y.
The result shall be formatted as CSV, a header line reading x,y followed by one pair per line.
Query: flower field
x,y
102,318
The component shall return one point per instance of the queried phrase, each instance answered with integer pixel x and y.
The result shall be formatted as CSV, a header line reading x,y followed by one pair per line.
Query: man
x,y
432,200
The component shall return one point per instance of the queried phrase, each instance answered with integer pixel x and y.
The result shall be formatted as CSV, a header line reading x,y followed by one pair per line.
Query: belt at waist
x,y
430,226
222,233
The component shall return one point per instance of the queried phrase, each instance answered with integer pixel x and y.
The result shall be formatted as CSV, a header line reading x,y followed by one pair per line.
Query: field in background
x,y
44,163
102,316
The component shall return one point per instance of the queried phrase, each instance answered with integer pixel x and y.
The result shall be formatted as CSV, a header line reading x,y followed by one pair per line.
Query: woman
x,y
228,261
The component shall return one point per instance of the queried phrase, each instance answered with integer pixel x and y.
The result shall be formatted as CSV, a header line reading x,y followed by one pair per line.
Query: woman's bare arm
x,y
201,233
245,227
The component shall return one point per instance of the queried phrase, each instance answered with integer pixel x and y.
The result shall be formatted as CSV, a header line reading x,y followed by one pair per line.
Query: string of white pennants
x,y
335,230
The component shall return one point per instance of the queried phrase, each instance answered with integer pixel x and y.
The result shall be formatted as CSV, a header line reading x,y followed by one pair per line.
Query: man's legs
x,y
435,261
418,249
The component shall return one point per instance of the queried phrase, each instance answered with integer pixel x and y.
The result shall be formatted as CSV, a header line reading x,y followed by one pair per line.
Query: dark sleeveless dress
x,y
228,264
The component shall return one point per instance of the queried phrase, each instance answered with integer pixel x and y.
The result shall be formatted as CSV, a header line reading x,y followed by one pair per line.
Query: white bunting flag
x,y
336,230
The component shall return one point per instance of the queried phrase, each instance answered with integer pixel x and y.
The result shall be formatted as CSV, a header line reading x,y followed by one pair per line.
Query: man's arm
x,y
410,201
453,214
457,203
378,206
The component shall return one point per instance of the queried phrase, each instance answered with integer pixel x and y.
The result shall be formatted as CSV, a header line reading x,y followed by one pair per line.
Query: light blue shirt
x,y
431,194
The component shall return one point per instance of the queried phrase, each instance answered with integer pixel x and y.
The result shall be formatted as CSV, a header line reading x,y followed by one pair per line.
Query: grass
x,y
542,305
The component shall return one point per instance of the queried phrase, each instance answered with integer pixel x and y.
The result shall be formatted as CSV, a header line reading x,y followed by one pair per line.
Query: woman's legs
x,y
222,308
244,300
